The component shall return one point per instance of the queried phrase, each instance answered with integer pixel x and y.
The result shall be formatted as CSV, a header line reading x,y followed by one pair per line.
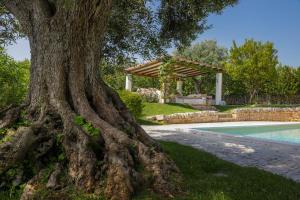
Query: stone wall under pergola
x,y
183,68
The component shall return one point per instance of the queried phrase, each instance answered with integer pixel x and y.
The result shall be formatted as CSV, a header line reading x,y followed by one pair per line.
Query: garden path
x,y
279,158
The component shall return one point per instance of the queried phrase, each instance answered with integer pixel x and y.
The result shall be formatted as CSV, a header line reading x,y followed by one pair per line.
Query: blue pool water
x,y
281,133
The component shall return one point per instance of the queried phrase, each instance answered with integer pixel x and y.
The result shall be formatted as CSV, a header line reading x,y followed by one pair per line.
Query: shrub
x,y
133,101
87,126
14,80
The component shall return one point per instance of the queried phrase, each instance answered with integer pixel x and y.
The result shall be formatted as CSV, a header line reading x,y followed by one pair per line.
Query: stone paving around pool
x,y
278,158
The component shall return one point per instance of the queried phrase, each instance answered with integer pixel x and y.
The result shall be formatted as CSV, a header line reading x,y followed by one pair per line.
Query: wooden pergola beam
x,y
150,67
182,67
143,65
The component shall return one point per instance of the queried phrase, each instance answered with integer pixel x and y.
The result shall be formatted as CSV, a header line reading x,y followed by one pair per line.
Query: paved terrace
x,y
278,158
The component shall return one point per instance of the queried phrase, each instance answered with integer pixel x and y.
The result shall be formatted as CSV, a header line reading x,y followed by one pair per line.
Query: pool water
x,y
281,133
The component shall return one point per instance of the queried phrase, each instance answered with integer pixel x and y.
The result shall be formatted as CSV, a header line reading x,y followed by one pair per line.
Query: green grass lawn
x,y
201,181
228,108
199,171
151,109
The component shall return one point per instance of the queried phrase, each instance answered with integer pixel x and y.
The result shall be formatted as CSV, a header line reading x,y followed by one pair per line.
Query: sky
x,y
277,21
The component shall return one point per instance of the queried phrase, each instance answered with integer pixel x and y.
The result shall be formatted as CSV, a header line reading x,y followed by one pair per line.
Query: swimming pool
x,y
289,133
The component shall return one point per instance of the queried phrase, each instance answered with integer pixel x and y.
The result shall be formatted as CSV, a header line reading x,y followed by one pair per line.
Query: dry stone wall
x,y
267,114
243,114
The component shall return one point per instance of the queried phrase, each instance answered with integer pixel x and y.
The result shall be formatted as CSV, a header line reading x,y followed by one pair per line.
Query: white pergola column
x,y
128,85
218,88
179,87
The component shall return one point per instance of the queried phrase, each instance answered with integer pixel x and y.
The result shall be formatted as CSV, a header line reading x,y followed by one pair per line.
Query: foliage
x,y
87,126
14,80
145,82
182,20
166,78
286,81
234,84
208,52
141,27
297,73
148,27
2,131
254,65
114,76
9,28
133,102
6,138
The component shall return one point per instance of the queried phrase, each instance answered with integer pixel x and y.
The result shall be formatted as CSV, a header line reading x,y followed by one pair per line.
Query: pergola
x,y
183,68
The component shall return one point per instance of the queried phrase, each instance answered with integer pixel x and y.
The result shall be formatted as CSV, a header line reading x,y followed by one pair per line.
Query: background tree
x,y
297,72
254,65
208,52
77,123
14,80
286,81
114,75
9,27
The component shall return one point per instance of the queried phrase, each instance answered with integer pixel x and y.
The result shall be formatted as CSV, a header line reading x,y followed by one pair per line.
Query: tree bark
x,y
197,85
251,96
65,46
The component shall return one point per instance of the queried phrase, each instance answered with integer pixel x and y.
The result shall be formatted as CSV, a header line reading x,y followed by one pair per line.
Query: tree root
x,y
10,116
122,177
24,140
30,189
164,172
82,160
114,154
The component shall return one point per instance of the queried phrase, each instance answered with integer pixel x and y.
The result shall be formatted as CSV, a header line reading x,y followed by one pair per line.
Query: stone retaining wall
x,y
243,114
266,114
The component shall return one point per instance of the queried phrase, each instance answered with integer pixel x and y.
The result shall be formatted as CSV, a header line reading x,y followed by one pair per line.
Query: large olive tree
x,y
73,115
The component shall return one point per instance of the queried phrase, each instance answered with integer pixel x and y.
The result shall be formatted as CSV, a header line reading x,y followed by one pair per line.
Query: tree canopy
x,y
14,79
9,27
254,65
286,83
208,52
141,27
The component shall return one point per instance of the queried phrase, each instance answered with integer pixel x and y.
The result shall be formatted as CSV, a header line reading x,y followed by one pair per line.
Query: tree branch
x,y
16,7
21,10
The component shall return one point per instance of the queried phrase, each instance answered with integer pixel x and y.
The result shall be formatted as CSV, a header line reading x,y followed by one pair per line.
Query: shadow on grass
x,y
207,177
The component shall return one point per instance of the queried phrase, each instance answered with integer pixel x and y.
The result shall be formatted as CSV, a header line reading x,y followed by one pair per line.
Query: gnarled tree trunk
x,y
66,41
